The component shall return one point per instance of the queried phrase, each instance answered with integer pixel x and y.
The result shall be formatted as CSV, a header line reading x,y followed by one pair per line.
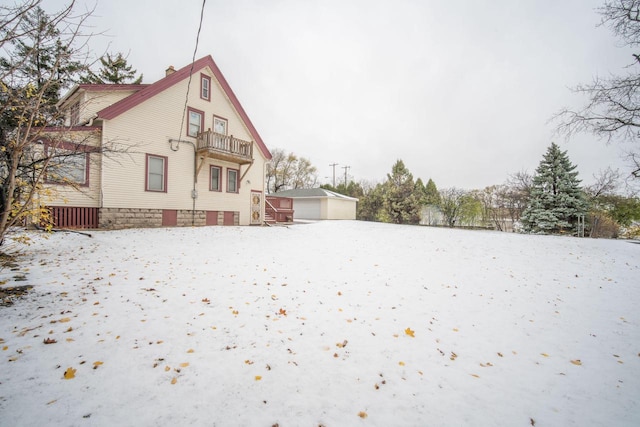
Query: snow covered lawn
x,y
329,323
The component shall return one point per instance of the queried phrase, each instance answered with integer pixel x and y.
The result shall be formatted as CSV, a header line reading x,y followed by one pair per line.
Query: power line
x,y
195,50
346,168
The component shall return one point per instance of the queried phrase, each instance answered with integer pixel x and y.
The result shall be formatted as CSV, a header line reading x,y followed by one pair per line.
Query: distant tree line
x,y
551,201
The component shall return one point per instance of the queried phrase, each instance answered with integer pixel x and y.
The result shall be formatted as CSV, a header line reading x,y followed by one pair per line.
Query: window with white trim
x,y
205,87
232,180
156,173
215,183
68,167
196,122
219,125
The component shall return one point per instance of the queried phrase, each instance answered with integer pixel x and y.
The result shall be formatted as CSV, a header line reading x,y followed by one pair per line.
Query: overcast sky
x,y
461,91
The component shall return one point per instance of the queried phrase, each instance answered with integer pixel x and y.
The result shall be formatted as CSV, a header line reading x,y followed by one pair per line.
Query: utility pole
x,y
346,168
334,173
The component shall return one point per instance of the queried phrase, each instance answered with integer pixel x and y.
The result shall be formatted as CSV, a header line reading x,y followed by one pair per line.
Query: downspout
x,y
194,192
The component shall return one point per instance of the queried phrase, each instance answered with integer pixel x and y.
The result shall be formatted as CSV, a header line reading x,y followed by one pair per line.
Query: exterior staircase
x,y
278,210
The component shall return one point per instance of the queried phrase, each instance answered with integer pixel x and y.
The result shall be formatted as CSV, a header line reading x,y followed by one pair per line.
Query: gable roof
x,y
313,193
153,89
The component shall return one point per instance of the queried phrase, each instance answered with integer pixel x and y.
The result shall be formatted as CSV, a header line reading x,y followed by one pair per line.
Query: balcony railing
x,y
225,147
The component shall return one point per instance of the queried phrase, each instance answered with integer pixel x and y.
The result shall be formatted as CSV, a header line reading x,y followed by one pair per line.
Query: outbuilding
x,y
318,203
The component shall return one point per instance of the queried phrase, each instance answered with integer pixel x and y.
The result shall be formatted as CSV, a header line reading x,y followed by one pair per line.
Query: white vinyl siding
x,y
148,128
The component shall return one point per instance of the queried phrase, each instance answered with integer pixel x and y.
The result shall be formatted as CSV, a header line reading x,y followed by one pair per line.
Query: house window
x,y
75,114
219,125
196,122
69,167
156,173
216,176
205,87
232,180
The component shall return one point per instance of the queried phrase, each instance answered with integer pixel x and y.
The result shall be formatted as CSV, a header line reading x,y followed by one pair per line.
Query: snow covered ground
x,y
329,323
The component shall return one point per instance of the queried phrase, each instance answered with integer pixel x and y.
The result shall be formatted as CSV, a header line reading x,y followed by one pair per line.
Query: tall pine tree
x,y
401,203
431,193
114,70
556,197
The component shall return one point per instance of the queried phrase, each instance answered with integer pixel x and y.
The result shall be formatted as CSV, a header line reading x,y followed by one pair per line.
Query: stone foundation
x,y
120,218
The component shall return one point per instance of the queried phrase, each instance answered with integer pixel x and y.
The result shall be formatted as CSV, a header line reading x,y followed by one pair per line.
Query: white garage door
x,y
306,209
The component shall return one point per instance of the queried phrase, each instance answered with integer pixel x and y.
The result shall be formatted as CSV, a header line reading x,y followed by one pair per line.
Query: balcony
x,y
225,147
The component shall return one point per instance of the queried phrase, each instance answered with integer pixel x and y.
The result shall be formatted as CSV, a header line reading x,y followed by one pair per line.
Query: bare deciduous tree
x,y
451,200
613,109
40,55
287,171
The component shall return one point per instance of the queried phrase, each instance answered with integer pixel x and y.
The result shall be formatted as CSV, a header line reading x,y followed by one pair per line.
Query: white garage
x,y
318,203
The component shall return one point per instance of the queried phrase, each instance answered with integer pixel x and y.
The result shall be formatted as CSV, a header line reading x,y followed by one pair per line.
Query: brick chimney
x,y
170,70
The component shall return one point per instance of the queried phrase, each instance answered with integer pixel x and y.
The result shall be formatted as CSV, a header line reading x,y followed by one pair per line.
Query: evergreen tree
x,y
432,196
401,203
421,192
114,70
370,206
556,197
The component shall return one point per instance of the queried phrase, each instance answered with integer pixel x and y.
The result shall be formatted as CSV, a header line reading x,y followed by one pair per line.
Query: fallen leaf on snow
x,y
174,380
190,350
410,332
69,374
362,414
544,354
258,377
64,320
401,363
576,362
49,341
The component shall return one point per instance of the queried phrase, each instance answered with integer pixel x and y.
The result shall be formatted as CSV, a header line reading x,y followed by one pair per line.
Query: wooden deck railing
x,y
226,145
280,208
74,217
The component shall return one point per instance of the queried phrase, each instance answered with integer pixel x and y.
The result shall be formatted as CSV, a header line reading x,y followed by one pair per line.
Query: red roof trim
x,y
149,91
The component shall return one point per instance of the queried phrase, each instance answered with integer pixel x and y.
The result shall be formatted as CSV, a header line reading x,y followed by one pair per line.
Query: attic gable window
x,y
205,87
196,122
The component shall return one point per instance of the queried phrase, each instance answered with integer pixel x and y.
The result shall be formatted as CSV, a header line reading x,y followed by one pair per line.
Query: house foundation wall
x,y
121,218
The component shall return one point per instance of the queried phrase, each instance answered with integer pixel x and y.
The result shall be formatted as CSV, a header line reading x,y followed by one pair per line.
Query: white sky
x,y
461,91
